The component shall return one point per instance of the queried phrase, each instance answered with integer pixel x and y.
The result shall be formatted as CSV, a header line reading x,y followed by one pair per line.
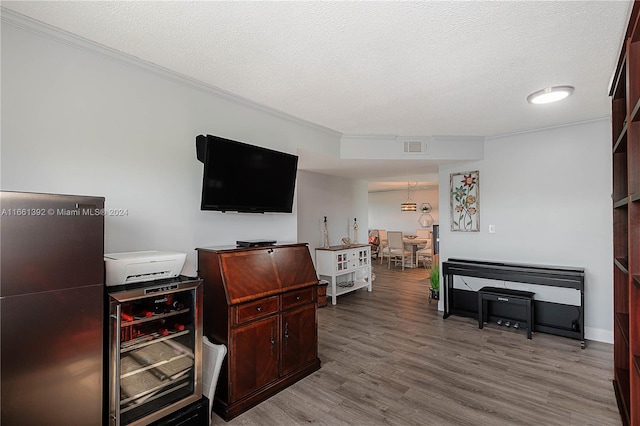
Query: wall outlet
x,y
575,326
492,229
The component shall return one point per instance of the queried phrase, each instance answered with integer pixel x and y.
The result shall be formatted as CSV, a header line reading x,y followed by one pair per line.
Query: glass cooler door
x,y
156,336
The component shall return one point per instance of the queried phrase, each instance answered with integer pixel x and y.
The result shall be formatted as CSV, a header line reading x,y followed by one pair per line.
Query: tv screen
x,y
245,178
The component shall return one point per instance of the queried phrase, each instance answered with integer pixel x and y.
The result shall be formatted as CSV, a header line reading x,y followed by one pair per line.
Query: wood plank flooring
x,y
388,358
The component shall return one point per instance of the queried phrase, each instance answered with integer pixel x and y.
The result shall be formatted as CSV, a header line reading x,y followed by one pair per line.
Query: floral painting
x,y
465,203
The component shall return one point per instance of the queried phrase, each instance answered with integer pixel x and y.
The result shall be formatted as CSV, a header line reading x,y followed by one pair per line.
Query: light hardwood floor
x,y
388,358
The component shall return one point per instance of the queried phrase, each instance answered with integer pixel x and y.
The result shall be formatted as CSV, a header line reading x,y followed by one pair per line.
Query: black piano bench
x,y
505,295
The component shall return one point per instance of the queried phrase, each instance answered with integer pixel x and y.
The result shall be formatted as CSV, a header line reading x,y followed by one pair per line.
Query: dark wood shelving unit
x,y
625,120
621,264
621,388
621,203
622,321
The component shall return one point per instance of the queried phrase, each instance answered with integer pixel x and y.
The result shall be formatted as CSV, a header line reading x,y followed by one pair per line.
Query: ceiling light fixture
x,y
550,94
408,206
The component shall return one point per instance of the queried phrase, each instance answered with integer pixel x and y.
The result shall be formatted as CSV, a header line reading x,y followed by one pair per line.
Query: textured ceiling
x,y
400,68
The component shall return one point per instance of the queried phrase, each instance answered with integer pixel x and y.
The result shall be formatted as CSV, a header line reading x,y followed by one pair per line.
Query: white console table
x,y
345,268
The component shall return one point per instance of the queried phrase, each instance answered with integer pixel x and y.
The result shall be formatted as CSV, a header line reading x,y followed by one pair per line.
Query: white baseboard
x,y
598,334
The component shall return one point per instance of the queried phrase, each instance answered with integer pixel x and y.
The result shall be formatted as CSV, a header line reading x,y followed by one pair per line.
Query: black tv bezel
x,y
204,143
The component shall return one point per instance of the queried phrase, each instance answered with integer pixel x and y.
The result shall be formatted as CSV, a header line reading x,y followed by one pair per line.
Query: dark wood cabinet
x,y
261,303
625,123
257,342
298,347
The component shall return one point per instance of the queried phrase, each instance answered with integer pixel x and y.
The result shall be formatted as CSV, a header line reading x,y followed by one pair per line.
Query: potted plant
x,y
435,283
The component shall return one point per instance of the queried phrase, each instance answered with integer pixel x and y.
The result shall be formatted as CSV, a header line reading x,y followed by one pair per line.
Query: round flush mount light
x,y
550,94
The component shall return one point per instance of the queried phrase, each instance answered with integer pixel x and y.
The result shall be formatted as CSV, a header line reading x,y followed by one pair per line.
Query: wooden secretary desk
x,y
260,302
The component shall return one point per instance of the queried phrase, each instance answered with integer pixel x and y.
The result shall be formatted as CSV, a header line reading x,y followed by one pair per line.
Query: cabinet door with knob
x,y
298,338
255,362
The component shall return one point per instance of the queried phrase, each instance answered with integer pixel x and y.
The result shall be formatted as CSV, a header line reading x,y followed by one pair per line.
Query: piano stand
x,y
506,295
554,318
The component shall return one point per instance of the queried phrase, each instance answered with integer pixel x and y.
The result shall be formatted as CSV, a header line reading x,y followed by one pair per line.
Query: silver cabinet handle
x,y
273,341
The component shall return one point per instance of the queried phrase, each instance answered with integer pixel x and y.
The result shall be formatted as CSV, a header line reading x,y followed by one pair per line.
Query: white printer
x,y
140,266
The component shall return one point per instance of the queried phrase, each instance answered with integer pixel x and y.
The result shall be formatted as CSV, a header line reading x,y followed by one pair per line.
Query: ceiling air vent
x,y
413,147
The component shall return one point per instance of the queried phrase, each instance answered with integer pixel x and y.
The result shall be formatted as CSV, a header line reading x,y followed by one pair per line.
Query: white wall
x,y
384,209
548,193
77,120
340,199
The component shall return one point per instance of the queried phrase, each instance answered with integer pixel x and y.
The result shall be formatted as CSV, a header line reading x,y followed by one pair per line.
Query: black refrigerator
x,y
51,309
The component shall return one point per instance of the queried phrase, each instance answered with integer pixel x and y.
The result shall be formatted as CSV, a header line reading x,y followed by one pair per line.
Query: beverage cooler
x,y
155,341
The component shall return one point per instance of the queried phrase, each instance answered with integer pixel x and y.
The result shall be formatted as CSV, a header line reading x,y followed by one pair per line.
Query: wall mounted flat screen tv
x,y
245,178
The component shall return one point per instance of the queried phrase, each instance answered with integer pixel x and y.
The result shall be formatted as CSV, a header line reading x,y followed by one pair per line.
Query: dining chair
x,y
374,242
382,234
423,233
396,249
425,254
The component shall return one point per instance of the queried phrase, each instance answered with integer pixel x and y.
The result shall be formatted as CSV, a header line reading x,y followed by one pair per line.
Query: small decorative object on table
x,y
346,242
355,231
326,234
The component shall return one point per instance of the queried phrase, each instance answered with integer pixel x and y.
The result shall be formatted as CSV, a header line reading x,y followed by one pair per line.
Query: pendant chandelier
x,y
408,206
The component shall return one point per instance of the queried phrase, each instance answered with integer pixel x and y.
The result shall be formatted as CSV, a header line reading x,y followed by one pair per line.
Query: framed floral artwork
x,y
465,201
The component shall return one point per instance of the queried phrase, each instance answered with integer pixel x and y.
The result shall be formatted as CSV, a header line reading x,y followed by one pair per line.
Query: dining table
x,y
415,242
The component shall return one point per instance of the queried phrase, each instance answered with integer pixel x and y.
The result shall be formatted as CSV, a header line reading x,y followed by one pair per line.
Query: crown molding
x,y
542,129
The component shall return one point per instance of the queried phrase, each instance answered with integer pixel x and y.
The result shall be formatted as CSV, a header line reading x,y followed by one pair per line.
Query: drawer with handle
x,y
297,297
256,309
